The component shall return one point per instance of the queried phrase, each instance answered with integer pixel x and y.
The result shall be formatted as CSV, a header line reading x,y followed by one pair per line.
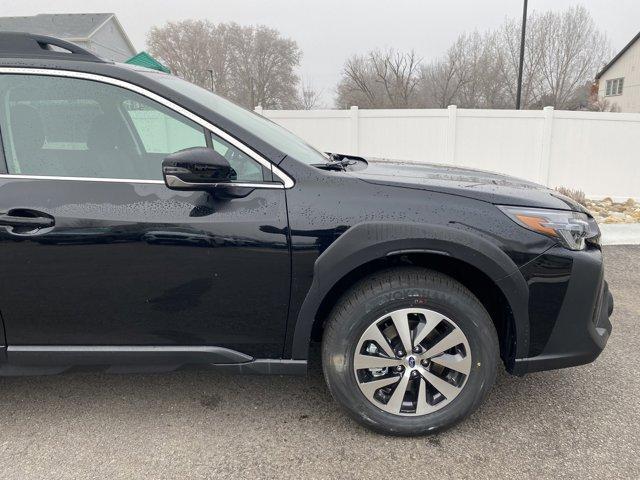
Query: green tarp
x,y
143,59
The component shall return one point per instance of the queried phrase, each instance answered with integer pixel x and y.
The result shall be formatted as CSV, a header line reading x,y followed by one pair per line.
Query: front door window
x,y
68,127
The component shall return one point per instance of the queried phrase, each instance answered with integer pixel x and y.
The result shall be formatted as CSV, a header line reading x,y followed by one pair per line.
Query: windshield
x,y
266,130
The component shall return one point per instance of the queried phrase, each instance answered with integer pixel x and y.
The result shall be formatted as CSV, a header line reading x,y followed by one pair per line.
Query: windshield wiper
x,y
338,161
340,165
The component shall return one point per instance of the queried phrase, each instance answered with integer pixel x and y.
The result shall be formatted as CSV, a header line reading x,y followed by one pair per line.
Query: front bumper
x,y
569,309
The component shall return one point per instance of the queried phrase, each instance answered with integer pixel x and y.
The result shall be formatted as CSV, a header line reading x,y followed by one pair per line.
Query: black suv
x,y
147,224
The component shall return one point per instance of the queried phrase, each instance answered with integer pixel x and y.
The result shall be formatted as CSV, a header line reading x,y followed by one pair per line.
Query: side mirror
x,y
197,168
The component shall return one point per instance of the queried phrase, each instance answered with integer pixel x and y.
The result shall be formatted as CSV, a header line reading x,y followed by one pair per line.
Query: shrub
x,y
577,195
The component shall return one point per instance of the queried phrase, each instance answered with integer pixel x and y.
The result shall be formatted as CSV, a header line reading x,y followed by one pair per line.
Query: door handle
x,y
26,218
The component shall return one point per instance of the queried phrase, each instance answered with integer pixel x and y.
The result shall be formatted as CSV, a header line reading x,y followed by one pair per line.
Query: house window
x,y
614,87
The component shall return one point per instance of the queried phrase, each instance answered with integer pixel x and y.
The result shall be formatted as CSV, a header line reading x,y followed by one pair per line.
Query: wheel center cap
x,y
412,362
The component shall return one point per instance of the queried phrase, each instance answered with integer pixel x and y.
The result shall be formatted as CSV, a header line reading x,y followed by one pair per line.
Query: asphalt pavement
x,y
576,423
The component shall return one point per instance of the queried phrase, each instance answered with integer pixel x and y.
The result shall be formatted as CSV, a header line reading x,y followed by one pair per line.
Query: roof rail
x,y
29,45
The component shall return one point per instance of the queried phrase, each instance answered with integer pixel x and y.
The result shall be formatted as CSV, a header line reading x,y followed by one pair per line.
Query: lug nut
x,y
399,368
425,362
400,353
417,349
414,374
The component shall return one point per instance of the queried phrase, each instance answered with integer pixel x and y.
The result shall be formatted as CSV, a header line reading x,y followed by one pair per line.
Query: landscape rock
x,y
608,211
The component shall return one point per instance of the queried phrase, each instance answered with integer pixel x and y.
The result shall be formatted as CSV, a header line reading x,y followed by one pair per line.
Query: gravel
x,y
607,211
575,423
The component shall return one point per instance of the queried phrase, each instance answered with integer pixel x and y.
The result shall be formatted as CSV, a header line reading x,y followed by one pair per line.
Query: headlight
x,y
571,229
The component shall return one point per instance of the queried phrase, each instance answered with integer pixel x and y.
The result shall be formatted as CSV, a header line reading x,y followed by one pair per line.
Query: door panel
x,y
139,264
128,261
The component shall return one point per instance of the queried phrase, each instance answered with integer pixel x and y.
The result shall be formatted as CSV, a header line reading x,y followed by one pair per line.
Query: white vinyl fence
x,y
598,153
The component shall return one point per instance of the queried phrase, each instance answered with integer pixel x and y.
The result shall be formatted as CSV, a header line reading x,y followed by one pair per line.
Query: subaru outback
x,y
147,224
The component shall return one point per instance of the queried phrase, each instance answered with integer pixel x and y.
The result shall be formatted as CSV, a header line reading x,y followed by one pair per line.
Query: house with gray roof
x,y
100,33
619,81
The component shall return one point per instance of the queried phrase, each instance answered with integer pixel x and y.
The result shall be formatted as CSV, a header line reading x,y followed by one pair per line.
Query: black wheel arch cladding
x,y
369,241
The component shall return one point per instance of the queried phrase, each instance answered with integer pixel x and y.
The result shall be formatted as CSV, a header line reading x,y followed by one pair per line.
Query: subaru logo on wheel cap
x,y
412,362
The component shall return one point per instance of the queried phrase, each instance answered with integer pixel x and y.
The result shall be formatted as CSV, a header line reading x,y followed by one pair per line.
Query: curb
x,y
620,233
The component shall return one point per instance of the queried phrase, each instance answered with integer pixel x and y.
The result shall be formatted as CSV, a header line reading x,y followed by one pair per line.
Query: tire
x,y
420,295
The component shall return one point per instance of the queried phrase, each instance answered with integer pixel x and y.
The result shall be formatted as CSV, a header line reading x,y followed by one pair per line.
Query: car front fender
x,y
369,241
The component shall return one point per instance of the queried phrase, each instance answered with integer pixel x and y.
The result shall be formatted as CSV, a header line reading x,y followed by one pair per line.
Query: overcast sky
x,y
328,31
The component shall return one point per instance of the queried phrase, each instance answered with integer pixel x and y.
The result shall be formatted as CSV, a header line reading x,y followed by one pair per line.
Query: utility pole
x,y
521,66
211,76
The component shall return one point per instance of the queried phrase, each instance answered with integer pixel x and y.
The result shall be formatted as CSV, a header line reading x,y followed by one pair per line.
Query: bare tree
x,y
484,62
397,74
263,65
508,38
573,50
309,96
599,104
252,65
357,85
191,48
379,79
595,103
563,52
442,80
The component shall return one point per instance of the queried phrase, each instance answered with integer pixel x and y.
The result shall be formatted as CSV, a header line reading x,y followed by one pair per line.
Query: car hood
x,y
477,184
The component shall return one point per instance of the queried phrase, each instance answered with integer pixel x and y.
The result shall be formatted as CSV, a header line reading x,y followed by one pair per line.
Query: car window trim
x,y
287,181
4,168
132,180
